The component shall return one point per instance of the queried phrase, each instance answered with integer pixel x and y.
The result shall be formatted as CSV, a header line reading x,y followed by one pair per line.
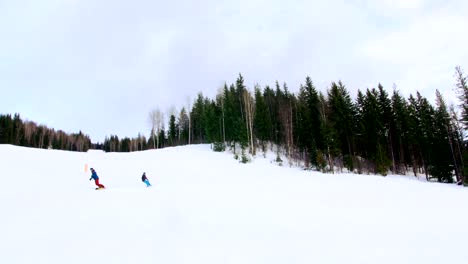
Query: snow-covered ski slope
x,y
206,207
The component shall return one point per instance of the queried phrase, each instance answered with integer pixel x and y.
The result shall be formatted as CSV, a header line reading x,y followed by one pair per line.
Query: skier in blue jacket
x,y
96,179
145,179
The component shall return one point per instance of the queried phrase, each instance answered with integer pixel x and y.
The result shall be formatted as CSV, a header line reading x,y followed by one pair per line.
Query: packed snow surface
x,y
206,207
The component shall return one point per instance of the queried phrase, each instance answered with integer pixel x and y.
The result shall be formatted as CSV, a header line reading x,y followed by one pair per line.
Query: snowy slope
x,y
206,207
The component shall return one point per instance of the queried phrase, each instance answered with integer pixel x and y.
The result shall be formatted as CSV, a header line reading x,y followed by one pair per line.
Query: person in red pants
x,y
96,179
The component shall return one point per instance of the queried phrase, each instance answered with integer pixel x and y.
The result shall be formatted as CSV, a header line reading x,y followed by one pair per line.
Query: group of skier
x,y
95,177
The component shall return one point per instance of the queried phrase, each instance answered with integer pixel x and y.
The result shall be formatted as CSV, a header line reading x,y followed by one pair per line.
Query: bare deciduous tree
x,y
220,98
51,135
249,110
79,143
189,106
29,130
156,120
152,120
42,135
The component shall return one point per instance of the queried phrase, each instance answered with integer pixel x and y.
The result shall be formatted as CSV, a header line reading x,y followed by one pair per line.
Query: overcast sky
x,y
101,66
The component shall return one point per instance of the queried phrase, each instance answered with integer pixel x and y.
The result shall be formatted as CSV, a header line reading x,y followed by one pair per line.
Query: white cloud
x,y
158,53
423,54
424,40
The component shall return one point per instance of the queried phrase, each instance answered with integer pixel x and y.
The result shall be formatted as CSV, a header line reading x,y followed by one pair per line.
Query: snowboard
x,y
99,188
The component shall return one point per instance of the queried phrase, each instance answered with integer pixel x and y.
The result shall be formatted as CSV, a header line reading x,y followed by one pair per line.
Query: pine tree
x,y
197,119
212,122
162,139
310,134
6,129
234,114
303,127
262,122
456,140
220,103
278,102
249,119
443,156
242,136
462,86
421,129
18,130
359,136
125,145
342,117
270,101
372,131
228,103
285,101
400,130
386,140
172,130
183,124
329,136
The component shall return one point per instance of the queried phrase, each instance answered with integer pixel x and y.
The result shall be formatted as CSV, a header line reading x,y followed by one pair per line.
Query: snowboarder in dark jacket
x,y
145,179
96,179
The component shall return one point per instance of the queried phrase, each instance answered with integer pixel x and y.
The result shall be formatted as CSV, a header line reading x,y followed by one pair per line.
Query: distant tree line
x,y
13,130
177,134
375,133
